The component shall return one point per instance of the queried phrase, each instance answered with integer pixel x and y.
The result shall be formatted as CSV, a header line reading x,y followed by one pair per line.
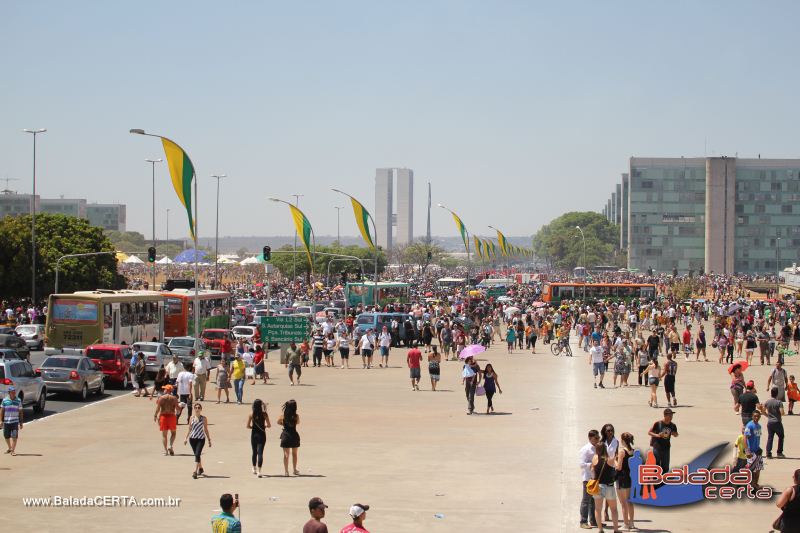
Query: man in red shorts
x,y
413,358
165,415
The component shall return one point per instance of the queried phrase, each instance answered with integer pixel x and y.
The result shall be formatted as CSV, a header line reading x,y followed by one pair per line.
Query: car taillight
x,y
191,352
151,357
6,381
74,375
38,371
119,363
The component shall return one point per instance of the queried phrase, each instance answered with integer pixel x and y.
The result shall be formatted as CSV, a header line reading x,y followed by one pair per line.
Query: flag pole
x,y
375,247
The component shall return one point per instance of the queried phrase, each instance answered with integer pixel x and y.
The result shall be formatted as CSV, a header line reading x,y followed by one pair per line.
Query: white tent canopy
x,y
250,261
133,260
164,261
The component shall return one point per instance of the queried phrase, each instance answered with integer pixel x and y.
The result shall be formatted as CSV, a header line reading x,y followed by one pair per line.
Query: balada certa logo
x,y
691,483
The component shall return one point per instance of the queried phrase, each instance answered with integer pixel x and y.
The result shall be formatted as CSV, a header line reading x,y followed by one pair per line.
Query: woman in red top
x,y
260,365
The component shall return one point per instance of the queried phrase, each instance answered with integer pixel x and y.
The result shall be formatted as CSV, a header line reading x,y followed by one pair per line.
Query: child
x,y
793,393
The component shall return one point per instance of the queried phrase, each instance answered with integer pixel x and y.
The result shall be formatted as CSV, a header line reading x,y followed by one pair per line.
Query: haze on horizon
x,y
515,111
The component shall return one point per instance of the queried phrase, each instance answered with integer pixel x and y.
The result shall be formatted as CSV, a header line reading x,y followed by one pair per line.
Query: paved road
x,y
60,402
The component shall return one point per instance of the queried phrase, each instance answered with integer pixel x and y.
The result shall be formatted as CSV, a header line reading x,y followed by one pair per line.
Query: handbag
x,y
480,391
593,485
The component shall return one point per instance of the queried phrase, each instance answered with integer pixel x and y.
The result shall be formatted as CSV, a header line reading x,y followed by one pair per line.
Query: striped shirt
x,y
198,431
11,409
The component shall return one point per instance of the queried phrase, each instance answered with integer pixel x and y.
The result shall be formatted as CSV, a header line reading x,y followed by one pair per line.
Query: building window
x,y
776,186
786,208
647,184
760,208
670,218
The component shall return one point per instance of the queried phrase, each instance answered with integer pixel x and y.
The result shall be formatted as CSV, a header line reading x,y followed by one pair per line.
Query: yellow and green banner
x,y
362,220
182,173
303,227
501,240
478,246
461,229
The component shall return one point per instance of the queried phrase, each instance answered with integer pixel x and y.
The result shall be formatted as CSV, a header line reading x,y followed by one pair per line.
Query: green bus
x,y
389,292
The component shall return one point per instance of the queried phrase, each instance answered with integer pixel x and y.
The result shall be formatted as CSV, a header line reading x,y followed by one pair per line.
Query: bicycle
x,y
561,346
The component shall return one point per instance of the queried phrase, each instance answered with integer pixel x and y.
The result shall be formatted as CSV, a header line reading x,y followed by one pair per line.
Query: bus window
x,y
126,314
107,319
174,306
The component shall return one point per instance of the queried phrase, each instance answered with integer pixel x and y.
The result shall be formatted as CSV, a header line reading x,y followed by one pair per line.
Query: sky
x,y
515,111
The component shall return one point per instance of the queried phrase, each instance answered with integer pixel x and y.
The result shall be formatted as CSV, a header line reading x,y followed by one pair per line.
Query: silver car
x,y
31,389
32,334
155,354
186,348
76,374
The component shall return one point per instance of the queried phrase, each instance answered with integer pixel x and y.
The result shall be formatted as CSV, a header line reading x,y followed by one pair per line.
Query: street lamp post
x,y
216,234
167,239
584,262
58,262
338,233
33,217
294,247
777,268
153,163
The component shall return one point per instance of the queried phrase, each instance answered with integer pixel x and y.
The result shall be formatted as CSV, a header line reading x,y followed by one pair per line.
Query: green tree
x,y
56,236
422,254
561,245
284,261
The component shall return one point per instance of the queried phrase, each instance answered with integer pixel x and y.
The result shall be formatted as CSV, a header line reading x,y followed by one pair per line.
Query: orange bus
x,y
556,292
215,311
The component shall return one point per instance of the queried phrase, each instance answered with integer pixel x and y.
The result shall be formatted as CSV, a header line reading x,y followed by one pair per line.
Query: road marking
x,y
78,408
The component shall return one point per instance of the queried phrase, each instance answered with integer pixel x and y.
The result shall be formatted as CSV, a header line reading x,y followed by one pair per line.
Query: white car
x,y
33,334
250,334
155,354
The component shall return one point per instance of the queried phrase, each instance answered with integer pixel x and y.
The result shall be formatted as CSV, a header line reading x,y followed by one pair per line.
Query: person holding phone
x,y
225,522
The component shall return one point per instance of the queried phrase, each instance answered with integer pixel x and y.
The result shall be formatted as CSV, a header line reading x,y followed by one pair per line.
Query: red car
x,y
113,359
219,341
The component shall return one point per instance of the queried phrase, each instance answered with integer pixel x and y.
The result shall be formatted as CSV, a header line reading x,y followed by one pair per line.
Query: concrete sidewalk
x,y
366,437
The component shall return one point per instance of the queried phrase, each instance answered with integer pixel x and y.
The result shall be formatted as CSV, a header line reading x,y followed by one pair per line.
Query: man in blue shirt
x,y
225,522
11,419
752,436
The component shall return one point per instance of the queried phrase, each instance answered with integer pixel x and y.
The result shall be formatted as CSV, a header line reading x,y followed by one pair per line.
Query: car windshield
x,y
9,354
102,354
26,330
60,362
243,331
304,309
181,343
145,347
365,319
2,372
214,335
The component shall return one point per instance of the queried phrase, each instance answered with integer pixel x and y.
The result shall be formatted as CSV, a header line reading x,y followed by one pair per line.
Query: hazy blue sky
x,y
515,111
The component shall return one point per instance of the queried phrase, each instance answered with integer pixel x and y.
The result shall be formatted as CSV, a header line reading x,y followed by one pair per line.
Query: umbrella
x,y
428,294
471,351
539,304
741,364
510,310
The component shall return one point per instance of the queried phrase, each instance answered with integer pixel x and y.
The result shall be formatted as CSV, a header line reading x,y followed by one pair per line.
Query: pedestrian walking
x,y
367,345
258,423
293,362
792,393
434,366
470,375
184,391
238,370
490,385
752,435
789,504
223,379
343,344
140,371
660,438
166,407
197,435
598,360
585,457
385,342
624,482
603,470
669,373
290,439
316,507
200,367
511,337
413,361
774,411
11,418
778,378
653,376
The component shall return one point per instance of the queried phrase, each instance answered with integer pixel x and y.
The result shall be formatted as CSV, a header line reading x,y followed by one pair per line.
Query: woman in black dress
x,y
624,454
290,439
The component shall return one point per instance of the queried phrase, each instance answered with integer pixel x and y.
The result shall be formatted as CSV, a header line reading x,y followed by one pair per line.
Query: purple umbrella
x,y
471,351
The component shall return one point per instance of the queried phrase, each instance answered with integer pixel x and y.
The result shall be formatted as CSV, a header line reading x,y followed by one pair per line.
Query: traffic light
x,y
430,255
267,253
151,254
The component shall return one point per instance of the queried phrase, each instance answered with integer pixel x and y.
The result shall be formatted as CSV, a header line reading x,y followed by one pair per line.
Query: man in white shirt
x,y
327,327
385,340
367,345
201,367
585,456
184,386
174,368
598,361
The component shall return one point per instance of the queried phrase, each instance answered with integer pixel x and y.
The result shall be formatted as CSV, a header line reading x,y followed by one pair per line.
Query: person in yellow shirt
x,y
237,376
739,453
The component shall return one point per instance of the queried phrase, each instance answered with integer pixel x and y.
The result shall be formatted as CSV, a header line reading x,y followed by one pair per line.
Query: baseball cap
x,y
11,389
668,411
358,509
167,388
313,503
751,384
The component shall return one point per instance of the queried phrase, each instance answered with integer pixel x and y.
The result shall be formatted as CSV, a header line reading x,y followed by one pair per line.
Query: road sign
x,y
496,291
286,328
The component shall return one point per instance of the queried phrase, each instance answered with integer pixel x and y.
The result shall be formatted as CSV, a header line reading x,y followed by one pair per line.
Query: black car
x,y
16,343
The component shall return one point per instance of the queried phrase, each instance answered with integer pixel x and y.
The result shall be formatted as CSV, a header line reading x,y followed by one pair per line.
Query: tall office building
x,y
107,216
385,216
383,207
718,214
623,236
63,206
405,205
13,204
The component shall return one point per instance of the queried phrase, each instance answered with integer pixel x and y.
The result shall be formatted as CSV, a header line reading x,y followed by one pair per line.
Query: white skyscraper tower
x,y
385,216
405,205
383,207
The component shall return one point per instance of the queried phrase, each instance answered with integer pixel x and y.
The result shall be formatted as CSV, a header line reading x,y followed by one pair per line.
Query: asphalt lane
x,y
60,402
